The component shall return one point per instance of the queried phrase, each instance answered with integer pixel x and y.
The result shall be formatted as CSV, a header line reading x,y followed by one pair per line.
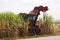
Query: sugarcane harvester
x,y
33,16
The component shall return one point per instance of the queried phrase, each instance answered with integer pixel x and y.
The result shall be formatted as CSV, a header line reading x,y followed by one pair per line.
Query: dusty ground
x,y
43,38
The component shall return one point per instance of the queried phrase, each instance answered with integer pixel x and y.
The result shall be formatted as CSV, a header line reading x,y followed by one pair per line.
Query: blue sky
x,y
26,6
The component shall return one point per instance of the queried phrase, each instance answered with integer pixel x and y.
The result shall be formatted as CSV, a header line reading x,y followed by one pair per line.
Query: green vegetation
x,y
48,21
9,22
14,26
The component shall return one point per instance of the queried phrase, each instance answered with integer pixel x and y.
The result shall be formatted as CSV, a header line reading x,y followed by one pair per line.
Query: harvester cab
x,y
33,28
32,18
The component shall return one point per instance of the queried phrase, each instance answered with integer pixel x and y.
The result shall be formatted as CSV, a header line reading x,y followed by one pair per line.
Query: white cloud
x,y
4,0
29,1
